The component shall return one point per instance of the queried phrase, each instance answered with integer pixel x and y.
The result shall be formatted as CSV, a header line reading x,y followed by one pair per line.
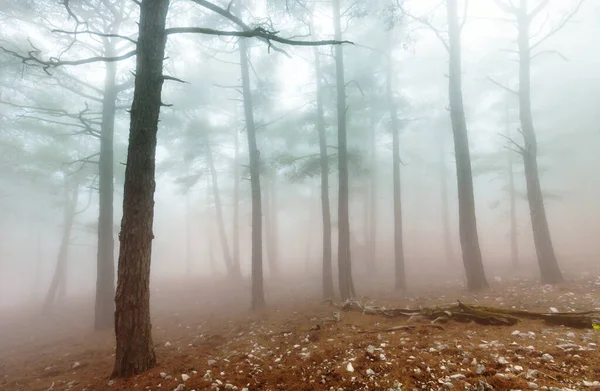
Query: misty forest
x,y
299,195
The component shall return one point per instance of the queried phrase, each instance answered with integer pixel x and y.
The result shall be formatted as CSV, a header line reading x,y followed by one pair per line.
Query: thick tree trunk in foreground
x,y
469,239
344,260
327,272
105,261
548,264
218,205
135,351
400,273
258,294
59,279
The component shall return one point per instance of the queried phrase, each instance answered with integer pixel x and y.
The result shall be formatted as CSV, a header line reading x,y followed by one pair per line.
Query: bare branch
x,y
225,13
503,86
464,20
174,79
519,150
95,33
258,32
556,52
424,21
53,62
559,26
538,9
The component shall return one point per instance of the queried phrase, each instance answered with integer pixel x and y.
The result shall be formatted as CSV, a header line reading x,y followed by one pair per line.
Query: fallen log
x,y
485,315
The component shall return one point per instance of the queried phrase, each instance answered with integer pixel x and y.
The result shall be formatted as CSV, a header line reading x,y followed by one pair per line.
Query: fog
x,y
50,118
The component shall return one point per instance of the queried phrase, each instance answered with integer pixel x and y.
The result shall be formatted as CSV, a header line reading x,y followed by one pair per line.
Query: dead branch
x,y
556,52
503,86
258,32
559,26
106,35
425,22
520,149
53,62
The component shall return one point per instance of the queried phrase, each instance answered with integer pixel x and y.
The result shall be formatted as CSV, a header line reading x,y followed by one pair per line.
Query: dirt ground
x,y
206,339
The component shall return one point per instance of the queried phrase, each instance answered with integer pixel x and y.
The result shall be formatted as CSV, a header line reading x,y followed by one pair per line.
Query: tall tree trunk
x,y
400,273
445,203
59,278
548,264
105,261
274,231
327,273
344,261
258,294
236,206
218,205
133,331
372,239
469,239
514,245
267,232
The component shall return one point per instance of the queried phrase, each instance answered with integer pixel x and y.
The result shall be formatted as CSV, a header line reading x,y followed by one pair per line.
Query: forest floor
x,y
206,339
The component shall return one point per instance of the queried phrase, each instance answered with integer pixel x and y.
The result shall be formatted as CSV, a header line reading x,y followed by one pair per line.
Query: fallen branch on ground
x,y
484,315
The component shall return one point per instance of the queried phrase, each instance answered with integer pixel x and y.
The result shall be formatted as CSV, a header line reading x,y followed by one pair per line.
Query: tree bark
x,y
218,206
445,204
133,330
105,261
236,206
469,239
514,245
344,261
372,236
59,278
548,264
400,273
258,295
327,273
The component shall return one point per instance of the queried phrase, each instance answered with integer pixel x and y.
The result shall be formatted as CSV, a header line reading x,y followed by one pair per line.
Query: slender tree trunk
x,y
548,264
344,261
274,218
59,278
258,295
105,261
400,273
372,236
514,245
469,239
133,330
268,230
218,206
327,272
208,227
445,203
236,206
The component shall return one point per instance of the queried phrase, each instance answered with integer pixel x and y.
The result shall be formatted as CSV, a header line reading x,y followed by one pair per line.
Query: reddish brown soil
x,y
277,350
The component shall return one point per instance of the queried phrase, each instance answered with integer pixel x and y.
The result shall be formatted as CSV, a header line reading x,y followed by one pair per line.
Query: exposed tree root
x,y
484,315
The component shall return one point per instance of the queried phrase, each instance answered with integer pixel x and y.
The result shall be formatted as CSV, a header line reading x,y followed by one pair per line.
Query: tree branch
x,y
507,7
95,33
503,86
53,62
556,52
538,9
258,32
559,26
424,21
519,150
